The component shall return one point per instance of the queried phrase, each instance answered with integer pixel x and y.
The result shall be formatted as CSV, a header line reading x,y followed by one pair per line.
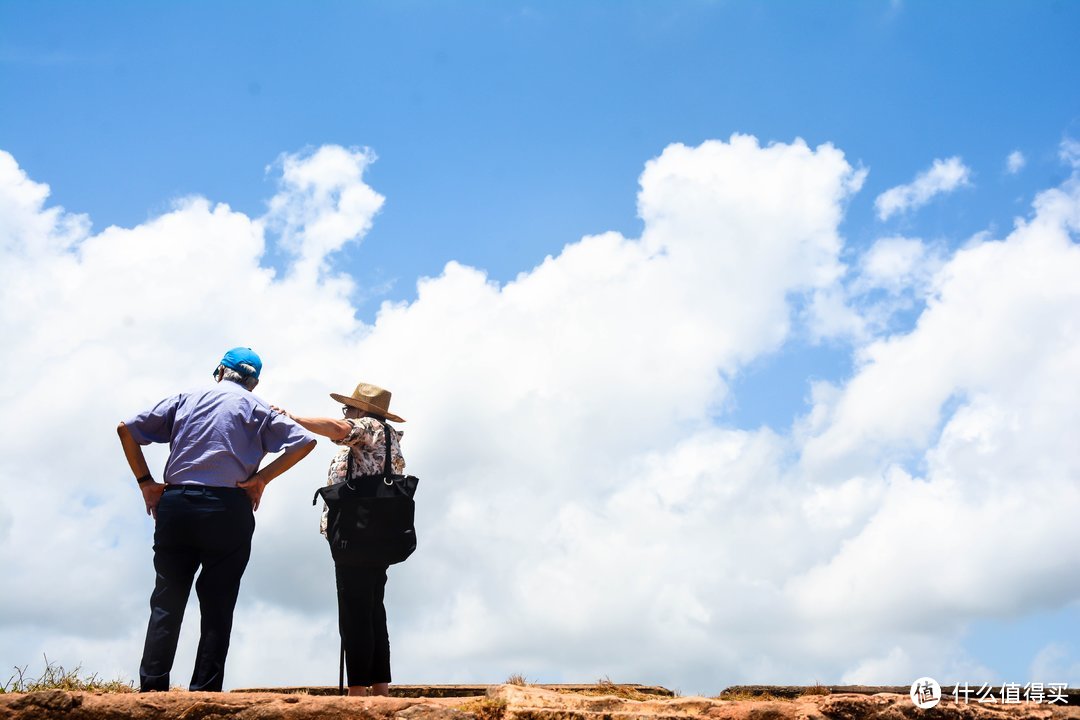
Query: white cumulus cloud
x,y
943,176
977,393
1056,664
896,263
1015,162
1069,152
581,511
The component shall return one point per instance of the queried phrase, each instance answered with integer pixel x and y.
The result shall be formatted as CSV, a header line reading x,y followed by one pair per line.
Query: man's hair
x,y
249,382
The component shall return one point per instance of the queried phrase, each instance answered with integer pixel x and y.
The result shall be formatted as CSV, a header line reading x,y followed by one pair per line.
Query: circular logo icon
x,y
925,693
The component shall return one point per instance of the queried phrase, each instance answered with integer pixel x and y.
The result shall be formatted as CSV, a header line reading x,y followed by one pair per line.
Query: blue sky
x,y
490,116
505,131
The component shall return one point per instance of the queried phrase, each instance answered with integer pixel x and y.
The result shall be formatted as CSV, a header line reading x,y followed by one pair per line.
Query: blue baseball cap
x,y
244,361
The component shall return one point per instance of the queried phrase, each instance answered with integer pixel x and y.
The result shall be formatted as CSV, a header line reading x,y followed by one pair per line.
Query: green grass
x,y
56,677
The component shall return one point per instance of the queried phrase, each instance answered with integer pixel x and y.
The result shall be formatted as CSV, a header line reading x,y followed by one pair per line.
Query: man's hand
x,y
151,492
254,487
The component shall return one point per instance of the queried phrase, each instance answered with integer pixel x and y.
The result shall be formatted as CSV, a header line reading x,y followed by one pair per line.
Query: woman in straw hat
x,y
360,590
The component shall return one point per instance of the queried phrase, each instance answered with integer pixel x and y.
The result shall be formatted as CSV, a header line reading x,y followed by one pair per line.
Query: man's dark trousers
x,y
196,526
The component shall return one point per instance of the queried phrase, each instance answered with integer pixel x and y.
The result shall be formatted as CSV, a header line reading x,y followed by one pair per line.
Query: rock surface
x,y
526,703
502,702
219,706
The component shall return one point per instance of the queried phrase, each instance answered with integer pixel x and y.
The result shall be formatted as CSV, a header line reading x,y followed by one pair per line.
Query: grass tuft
x,y
485,708
744,695
606,686
56,677
517,679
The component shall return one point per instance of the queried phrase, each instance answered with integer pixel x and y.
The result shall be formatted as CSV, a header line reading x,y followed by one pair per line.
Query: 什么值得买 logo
x,y
925,693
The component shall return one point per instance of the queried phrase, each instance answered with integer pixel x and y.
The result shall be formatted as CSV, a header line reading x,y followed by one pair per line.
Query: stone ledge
x,y
793,691
465,691
504,702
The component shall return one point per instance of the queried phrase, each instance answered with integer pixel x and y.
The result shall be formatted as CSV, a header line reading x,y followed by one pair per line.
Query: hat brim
x,y
366,407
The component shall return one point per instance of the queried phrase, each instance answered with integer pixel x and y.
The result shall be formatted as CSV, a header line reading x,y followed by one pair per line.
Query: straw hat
x,y
369,398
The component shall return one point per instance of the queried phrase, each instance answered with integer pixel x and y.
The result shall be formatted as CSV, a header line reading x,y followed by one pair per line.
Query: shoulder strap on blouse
x,y
387,471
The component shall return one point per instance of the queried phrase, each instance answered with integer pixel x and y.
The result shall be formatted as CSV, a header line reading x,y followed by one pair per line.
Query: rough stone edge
x,y
788,692
464,691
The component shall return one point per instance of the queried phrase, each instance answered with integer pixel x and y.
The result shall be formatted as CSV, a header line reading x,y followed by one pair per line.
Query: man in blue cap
x,y
204,510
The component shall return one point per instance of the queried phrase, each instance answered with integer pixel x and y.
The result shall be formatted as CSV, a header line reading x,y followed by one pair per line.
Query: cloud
x,y
942,177
1069,152
100,325
582,510
897,263
1054,663
975,394
891,279
322,204
1015,162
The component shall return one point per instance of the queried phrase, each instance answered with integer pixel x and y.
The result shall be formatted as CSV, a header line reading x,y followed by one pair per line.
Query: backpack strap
x,y
387,470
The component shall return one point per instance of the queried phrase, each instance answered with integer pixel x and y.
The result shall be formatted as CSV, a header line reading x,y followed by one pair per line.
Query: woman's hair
x,y
249,381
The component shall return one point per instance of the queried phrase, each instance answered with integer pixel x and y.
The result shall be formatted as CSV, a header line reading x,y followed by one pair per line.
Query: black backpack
x,y
370,518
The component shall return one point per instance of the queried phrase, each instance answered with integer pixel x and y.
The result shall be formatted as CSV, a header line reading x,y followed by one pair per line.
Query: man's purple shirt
x,y
217,435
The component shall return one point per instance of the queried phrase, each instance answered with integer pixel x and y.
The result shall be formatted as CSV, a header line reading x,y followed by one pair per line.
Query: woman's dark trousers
x,y
196,526
362,623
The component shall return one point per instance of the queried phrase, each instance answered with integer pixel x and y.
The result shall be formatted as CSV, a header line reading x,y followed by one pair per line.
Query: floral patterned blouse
x,y
368,447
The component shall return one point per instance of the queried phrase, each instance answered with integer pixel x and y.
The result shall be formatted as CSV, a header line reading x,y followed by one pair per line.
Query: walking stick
x,y
341,671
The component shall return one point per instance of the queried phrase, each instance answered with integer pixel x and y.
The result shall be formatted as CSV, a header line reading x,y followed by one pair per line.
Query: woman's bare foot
x,y
357,691
380,689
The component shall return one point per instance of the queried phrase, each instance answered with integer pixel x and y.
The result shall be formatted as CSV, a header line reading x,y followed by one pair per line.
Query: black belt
x,y
192,486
